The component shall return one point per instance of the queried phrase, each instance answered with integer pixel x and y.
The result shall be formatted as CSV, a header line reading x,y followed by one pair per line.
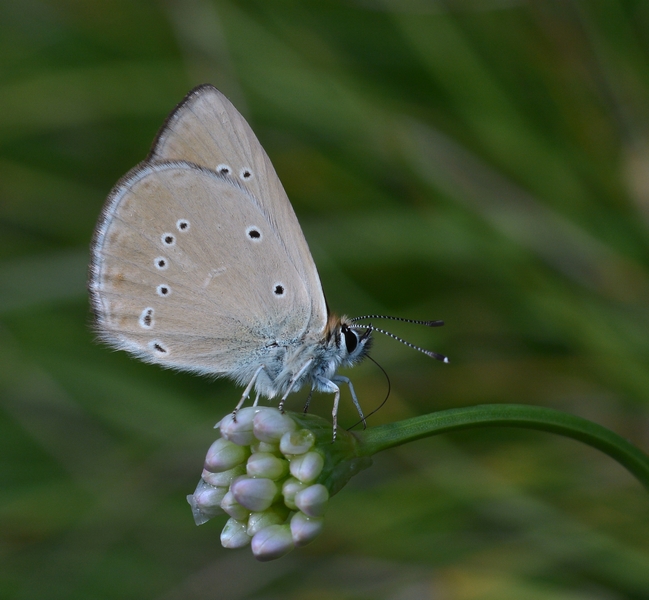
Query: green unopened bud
x,y
275,515
224,455
312,501
234,534
307,467
238,427
264,464
269,447
270,425
297,442
230,505
291,487
255,494
223,479
305,529
272,542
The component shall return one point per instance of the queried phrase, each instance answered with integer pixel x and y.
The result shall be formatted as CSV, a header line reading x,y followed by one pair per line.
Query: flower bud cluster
x,y
262,472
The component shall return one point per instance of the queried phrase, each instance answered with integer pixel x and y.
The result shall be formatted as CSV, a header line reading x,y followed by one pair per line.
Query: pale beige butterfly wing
x,y
206,129
188,272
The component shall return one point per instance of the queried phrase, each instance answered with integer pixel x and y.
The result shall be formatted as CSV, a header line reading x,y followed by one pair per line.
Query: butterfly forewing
x,y
207,129
186,265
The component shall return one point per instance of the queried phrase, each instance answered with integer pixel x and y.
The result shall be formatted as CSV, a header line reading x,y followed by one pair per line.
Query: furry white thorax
x,y
280,369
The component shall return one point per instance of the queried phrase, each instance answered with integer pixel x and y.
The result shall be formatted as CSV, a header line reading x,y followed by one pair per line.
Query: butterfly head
x,y
350,343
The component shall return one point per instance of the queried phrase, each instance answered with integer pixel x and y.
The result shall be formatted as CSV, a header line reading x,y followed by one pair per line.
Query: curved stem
x,y
386,436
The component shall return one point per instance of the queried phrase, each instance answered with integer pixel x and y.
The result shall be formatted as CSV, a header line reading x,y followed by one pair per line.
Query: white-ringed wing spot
x,y
146,318
161,263
163,290
254,233
168,239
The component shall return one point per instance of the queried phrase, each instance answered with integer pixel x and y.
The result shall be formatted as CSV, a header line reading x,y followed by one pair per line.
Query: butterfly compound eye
x,y
351,339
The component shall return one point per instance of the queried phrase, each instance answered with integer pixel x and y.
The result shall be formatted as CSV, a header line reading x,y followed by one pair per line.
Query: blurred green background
x,y
485,162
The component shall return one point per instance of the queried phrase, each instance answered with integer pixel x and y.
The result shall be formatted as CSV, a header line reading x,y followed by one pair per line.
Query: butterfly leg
x,y
341,379
308,401
292,383
334,412
329,387
246,393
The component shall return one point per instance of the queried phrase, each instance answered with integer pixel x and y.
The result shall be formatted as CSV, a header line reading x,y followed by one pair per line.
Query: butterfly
x,y
199,264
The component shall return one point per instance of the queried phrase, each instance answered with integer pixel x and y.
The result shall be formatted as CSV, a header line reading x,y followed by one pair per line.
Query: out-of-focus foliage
x,y
485,162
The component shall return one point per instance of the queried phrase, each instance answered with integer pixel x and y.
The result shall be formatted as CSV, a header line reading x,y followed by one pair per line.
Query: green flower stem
x,y
382,437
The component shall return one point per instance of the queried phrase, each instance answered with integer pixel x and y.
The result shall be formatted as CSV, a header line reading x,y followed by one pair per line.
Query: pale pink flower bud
x,y
305,529
263,464
234,534
230,505
297,442
269,447
224,455
272,542
312,501
270,425
291,487
275,515
238,427
307,467
223,479
254,494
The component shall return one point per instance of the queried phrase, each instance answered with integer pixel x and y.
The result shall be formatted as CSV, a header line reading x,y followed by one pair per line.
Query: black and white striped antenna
x,y
371,327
